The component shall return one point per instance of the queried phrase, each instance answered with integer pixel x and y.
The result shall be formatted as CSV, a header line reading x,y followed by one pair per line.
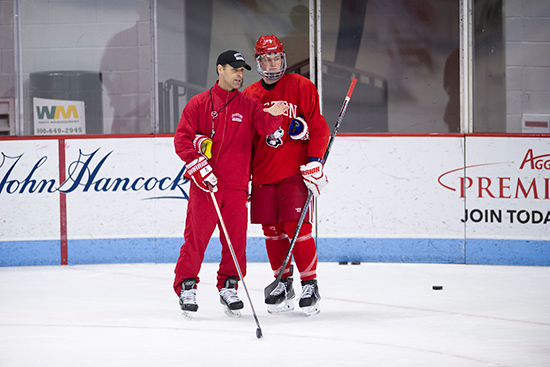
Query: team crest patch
x,y
276,139
237,117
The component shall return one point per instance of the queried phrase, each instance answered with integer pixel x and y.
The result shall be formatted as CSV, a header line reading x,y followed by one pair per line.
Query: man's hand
x,y
277,109
202,174
313,176
203,145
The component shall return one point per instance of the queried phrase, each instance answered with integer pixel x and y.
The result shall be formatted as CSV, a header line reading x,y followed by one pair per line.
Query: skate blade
x,y
188,315
283,307
311,310
231,313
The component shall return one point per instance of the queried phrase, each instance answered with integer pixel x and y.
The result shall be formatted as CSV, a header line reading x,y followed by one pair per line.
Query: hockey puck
x,y
437,287
356,263
342,263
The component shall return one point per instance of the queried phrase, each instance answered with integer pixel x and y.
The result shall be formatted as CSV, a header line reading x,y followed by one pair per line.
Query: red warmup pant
x,y
200,224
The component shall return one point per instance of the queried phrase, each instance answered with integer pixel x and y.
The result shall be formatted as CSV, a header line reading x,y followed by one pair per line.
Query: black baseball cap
x,y
233,58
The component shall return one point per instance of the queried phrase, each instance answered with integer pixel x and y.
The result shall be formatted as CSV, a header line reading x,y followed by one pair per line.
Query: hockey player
x,y
285,165
214,138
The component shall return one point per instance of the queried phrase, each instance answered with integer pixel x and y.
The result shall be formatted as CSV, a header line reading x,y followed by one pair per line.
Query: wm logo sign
x,y
55,112
57,116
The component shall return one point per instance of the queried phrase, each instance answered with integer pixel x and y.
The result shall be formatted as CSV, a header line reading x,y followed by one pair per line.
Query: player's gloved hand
x,y
298,129
203,145
313,176
202,174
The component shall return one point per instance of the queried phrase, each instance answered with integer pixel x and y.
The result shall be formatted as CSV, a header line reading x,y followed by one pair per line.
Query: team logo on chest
x,y
276,139
237,117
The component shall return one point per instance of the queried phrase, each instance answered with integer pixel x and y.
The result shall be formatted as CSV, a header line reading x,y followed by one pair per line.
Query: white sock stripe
x,y
276,272
304,237
307,273
277,238
310,266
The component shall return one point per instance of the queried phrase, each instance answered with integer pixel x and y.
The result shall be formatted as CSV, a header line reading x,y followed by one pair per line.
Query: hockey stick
x,y
272,286
259,329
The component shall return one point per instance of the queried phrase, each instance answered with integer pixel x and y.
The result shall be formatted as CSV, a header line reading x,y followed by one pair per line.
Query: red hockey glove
x,y
203,145
202,174
313,176
298,129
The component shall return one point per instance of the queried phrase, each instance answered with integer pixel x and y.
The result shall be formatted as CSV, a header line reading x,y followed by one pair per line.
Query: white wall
x,y
390,198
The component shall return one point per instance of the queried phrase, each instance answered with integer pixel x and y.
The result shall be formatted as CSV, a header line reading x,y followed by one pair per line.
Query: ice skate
x,y
232,304
281,299
309,300
188,298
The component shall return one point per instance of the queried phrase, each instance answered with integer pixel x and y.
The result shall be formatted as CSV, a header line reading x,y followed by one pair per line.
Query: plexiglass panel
x,y
526,59
192,34
403,52
86,67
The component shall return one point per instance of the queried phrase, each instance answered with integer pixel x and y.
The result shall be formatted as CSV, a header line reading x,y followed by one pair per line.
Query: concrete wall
x,y
527,36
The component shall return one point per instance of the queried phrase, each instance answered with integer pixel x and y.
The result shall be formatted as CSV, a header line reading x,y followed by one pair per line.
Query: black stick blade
x,y
271,287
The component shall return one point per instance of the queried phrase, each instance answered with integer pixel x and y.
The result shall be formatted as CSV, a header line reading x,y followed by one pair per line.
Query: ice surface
x,y
372,314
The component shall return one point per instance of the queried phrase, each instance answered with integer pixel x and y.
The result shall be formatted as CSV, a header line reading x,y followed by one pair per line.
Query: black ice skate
x,y
232,304
188,298
280,300
309,300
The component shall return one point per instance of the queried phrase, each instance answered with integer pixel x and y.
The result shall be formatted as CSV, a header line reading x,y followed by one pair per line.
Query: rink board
x,y
435,199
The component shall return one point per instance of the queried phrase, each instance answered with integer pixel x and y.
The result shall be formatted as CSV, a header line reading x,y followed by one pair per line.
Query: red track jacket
x,y
239,117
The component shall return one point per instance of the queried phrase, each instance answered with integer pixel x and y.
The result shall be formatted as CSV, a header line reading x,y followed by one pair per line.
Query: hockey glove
x,y
203,145
202,174
298,129
313,176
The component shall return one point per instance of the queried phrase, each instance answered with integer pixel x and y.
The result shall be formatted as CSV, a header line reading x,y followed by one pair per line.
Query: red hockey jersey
x,y
238,118
276,156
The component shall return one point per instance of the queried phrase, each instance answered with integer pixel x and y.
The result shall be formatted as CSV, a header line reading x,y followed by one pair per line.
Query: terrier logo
x,y
275,140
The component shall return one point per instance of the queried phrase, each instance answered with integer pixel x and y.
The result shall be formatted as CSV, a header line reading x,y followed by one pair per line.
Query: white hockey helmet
x,y
270,46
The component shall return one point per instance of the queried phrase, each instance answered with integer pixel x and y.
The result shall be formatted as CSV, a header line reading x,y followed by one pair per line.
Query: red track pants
x,y
200,224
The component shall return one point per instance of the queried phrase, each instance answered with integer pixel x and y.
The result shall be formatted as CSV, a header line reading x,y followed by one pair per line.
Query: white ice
x,y
372,314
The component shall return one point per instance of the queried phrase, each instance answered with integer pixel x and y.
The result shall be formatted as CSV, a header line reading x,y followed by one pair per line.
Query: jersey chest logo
x,y
276,139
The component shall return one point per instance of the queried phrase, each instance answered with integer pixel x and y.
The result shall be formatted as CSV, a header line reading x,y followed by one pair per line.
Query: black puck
x,y
437,287
356,263
342,263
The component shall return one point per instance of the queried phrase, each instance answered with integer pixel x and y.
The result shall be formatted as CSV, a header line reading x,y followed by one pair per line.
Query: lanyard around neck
x,y
216,113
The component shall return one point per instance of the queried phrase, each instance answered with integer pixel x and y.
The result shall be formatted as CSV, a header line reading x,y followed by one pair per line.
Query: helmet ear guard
x,y
270,46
